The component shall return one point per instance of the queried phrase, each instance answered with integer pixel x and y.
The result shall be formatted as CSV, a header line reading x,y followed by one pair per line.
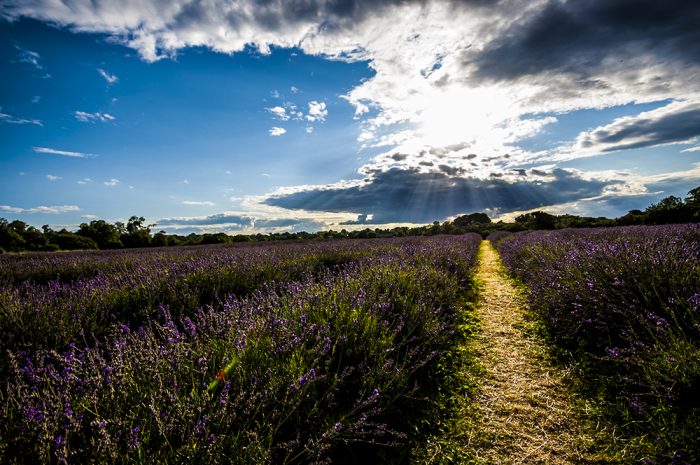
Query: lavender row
x,y
128,287
625,303
338,363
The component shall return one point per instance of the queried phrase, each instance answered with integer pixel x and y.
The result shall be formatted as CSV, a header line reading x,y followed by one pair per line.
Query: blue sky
x,y
266,116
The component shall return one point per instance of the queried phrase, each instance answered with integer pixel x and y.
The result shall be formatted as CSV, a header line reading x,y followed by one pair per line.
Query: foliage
x,y
331,358
106,235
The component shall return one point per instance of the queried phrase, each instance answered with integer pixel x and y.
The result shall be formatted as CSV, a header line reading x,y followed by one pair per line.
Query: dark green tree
x,y
137,235
10,239
70,241
106,235
671,209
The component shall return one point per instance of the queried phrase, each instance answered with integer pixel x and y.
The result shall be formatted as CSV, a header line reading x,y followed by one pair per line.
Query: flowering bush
x,y
625,302
339,361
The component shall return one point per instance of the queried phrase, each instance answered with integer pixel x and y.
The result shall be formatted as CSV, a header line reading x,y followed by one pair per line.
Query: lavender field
x,y
341,351
623,306
295,353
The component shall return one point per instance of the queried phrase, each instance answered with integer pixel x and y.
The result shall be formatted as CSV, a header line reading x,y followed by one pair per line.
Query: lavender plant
x,y
336,366
625,304
84,293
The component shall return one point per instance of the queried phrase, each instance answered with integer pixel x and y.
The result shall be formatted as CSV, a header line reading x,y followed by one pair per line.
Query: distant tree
x,y
136,235
632,217
120,227
218,238
193,239
671,209
34,239
160,239
471,220
10,239
543,220
692,203
366,234
537,220
104,234
71,241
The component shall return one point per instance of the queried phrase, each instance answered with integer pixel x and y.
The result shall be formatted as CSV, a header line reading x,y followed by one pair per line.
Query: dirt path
x,y
524,413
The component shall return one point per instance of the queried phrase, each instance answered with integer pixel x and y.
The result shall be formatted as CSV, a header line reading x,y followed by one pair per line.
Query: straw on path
x,y
524,414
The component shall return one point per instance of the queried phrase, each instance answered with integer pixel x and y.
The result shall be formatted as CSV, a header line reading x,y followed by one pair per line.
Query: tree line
x,y
18,236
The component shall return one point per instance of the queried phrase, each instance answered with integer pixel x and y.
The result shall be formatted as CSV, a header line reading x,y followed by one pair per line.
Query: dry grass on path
x,y
524,414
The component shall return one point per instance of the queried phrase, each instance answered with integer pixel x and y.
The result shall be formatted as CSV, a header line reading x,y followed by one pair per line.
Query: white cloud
x,y
85,181
51,177
275,131
62,153
89,217
6,118
198,203
29,57
274,94
92,117
309,129
449,79
365,135
112,182
36,99
692,149
110,78
53,210
279,112
294,89
317,111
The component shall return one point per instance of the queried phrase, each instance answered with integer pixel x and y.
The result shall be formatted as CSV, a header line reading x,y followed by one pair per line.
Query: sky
x,y
268,115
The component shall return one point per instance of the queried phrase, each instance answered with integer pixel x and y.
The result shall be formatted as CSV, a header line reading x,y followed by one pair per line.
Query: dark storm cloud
x,y
234,222
399,156
671,124
361,219
411,196
575,36
219,218
451,170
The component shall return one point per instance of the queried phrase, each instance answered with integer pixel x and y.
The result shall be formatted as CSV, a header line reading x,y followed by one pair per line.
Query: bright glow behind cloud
x,y
447,72
457,85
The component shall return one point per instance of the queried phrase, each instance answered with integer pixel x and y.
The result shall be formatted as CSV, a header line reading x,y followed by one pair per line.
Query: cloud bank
x,y
52,210
457,86
413,196
676,123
